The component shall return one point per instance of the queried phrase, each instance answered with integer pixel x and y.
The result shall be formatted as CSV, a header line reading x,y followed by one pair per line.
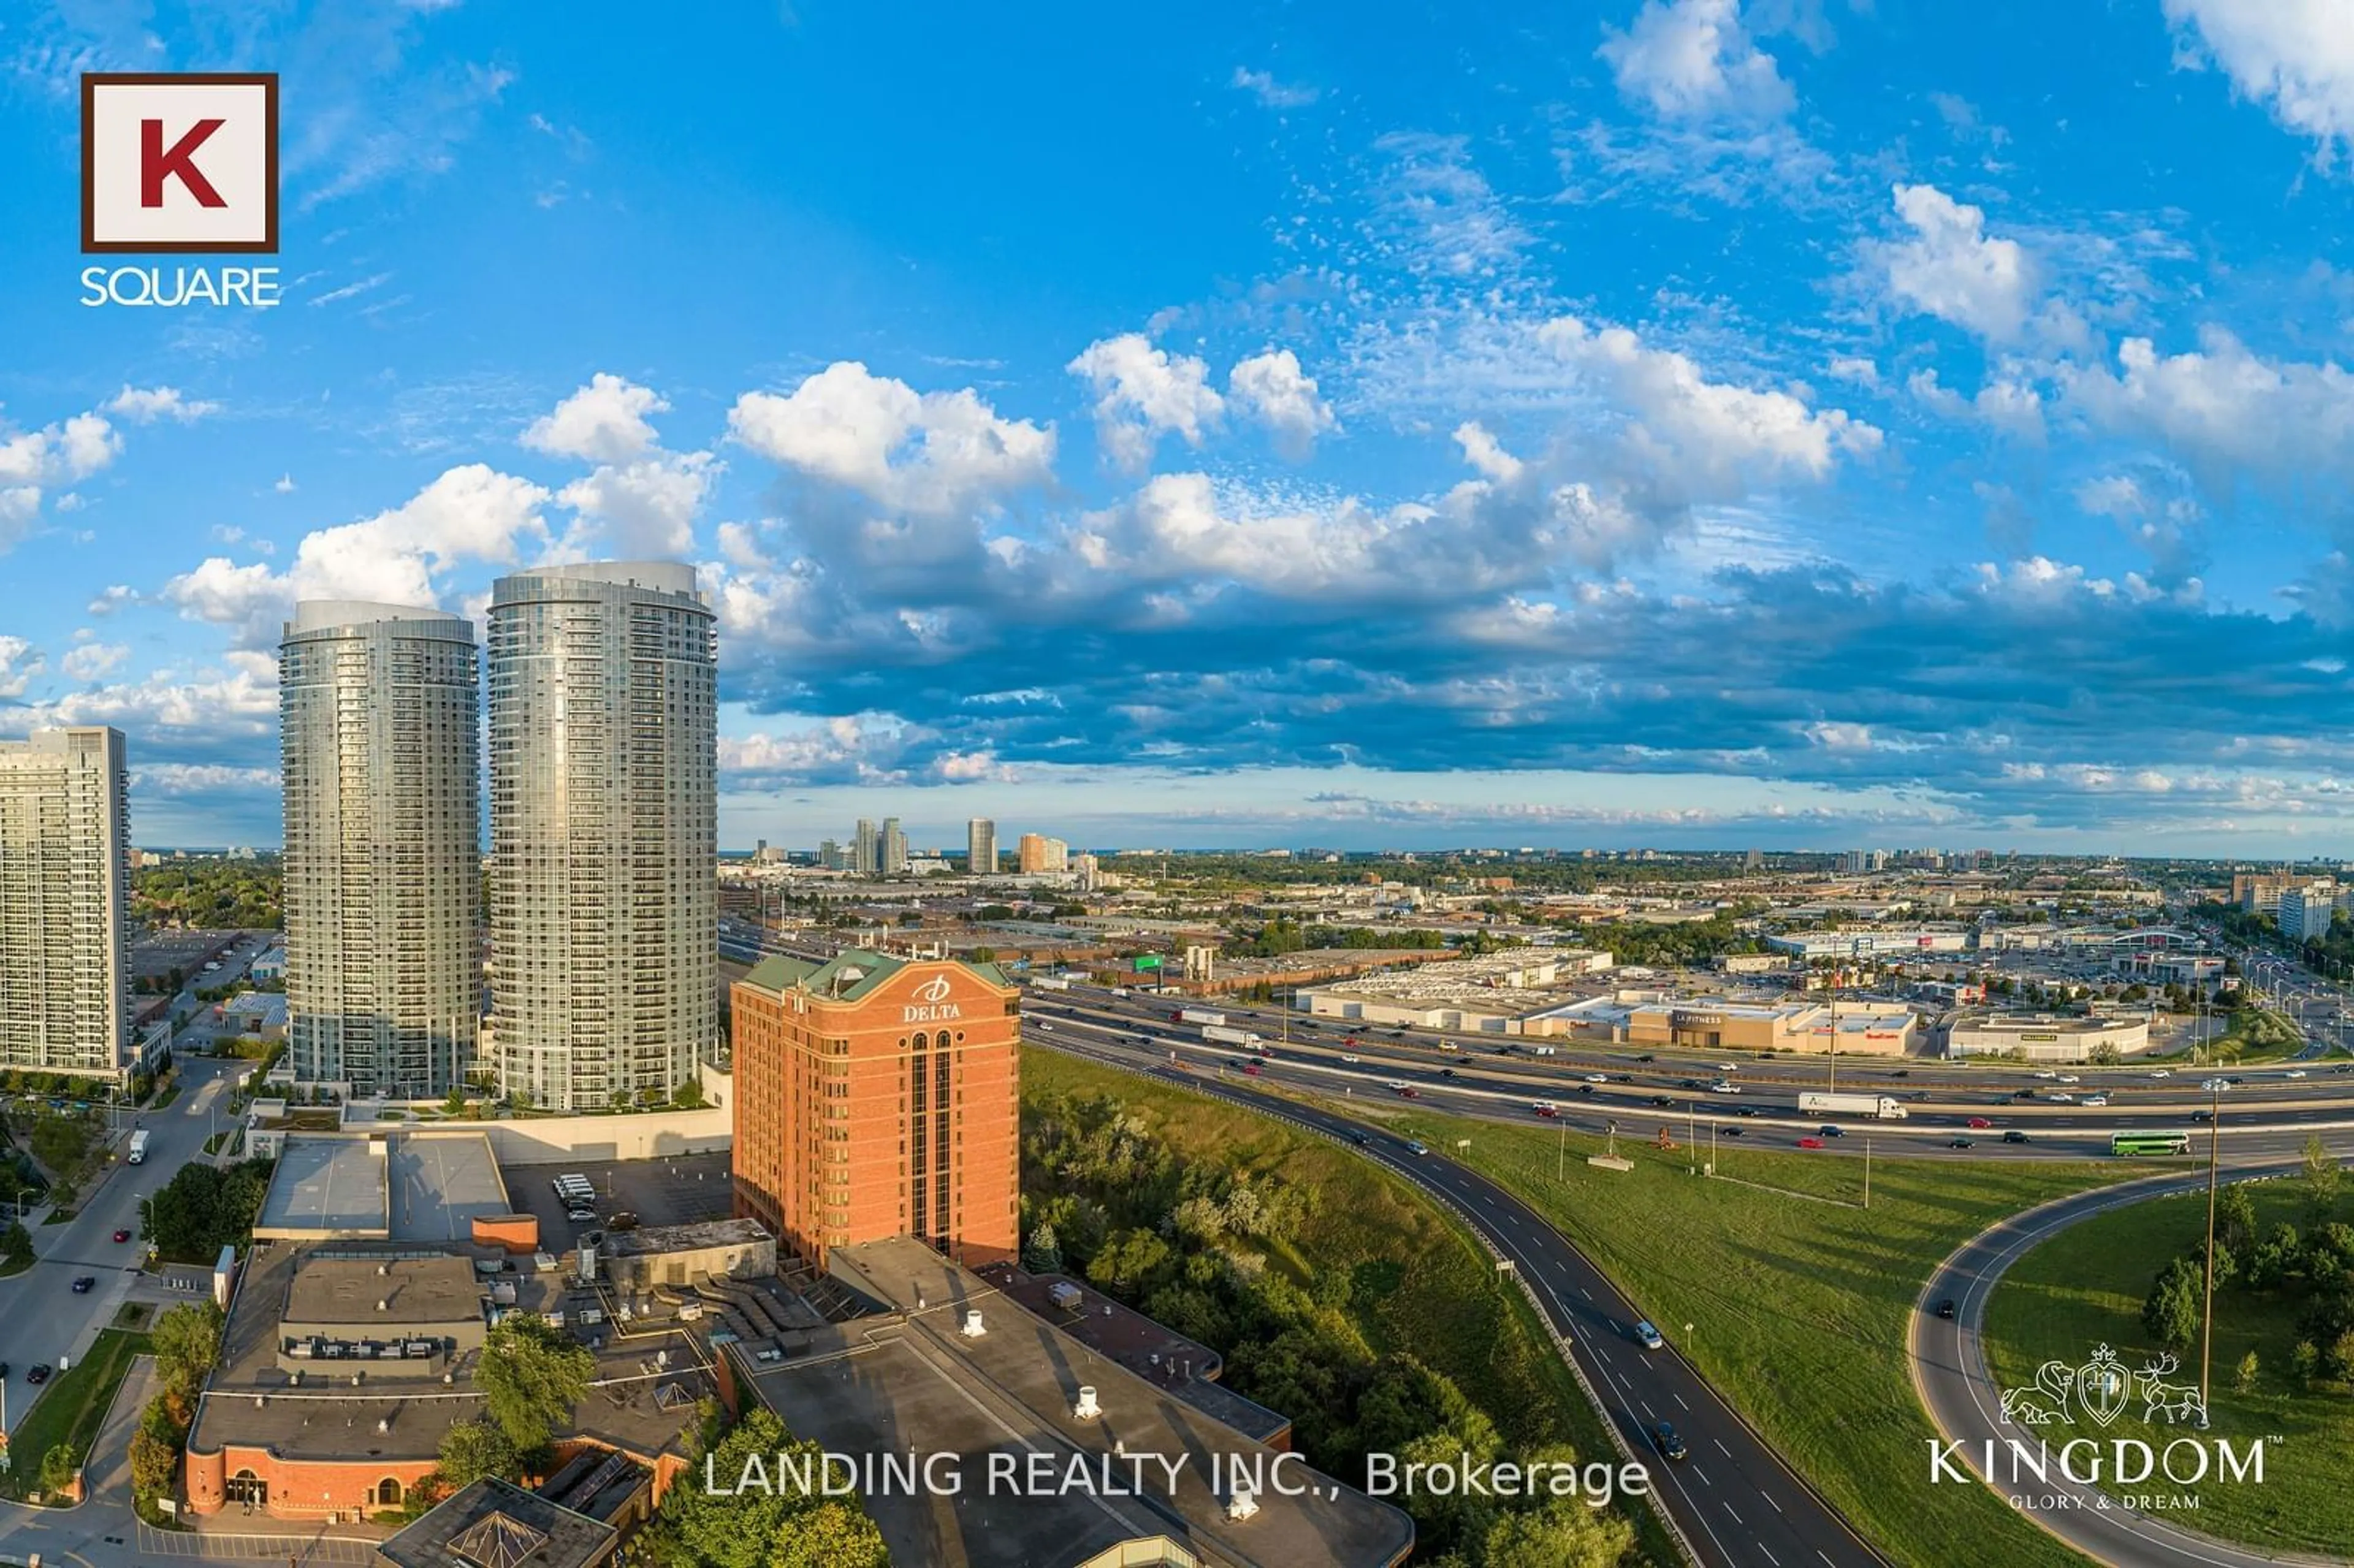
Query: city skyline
x,y
1671,423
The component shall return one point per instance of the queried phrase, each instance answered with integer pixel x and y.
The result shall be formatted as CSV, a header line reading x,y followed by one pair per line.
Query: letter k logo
x,y
157,163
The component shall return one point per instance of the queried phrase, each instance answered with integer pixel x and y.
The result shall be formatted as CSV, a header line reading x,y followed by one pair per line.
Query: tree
x,y
1042,1253
688,1095
2243,1377
58,1467
2235,1219
1561,1533
2321,1176
768,1523
187,1342
155,1452
15,1247
473,1449
2171,1312
533,1376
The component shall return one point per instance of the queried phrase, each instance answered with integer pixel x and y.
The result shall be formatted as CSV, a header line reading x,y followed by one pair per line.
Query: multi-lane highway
x,y
1953,1110
1734,1500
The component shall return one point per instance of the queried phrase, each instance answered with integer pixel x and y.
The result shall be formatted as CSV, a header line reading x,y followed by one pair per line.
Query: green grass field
x,y
69,1409
2085,1288
1798,1307
1440,1297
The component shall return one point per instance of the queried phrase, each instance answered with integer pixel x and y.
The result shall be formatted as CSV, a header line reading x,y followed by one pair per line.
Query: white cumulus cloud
x,y
1142,392
1273,389
1952,269
144,406
1691,58
930,453
604,421
2294,56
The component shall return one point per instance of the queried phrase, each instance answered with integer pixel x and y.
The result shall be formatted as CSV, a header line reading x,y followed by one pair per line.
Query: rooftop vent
x,y
1242,1505
1087,1409
972,1328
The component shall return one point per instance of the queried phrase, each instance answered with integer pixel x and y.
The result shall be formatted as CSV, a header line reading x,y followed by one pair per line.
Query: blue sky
x,y
1797,423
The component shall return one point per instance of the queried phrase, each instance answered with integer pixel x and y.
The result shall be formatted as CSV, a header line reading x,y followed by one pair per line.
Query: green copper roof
x,y
849,975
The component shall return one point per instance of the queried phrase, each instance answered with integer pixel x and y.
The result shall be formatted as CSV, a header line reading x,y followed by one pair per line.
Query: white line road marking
x,y
1647,1408
1770,1556
1720,1447
1736,1518
1679,1400
1769,1498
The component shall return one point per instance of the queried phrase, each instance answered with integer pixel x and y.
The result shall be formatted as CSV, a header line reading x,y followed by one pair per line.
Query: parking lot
x,y
672,1191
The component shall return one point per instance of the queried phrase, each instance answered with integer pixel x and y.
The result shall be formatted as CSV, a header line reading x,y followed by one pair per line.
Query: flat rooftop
x,y
870,1384
328,1289
328,1187
441,1182
648,1241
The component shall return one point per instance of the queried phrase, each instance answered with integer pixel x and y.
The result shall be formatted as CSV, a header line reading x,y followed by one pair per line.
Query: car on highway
x,y
1746,1110
1545,1108
1586,1088
1348,1058
2014,1136
38,1372
1392,1084
122,1235
1648,1337
2293,1072
1251,1069
2202,1115
2096,1100
1724,1087
1961,1143
1662,1099
2163,1073
2047,1072
1415,1149
2061,1098
1828,1130
1445,1072
1408,1092
1980,1122
1728,1067
1361,1139
1664,1438
2215,1086
1732,1132
82,1286
1689,1084
1647,1057
1810,1142
1945,1307
2070,1078
1597,1077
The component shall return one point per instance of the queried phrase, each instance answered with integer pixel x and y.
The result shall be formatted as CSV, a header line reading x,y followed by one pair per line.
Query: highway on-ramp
x,y
1949,1370
1735,1502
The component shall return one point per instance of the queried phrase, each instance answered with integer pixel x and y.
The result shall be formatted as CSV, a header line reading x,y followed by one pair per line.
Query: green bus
x,y
2150,1143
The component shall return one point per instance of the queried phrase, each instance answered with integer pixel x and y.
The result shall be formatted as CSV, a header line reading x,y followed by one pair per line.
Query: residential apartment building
x,y
866,848
604,832
1038,853
877,1098
892,848
65,898
380,753
981,847
2305,911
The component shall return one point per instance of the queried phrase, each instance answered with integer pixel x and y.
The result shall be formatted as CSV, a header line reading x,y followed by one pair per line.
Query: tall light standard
x,y
2207,1327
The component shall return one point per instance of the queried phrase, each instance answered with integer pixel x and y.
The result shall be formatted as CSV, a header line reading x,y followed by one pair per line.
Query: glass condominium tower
x,y
604,832
378,707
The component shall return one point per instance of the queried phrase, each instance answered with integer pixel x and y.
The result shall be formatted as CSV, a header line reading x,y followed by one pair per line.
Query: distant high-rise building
x,y
379,749
894,849
65,898
829,856
1036,852
1753,861
865,849
878,1098
981,847
604,831
1086,868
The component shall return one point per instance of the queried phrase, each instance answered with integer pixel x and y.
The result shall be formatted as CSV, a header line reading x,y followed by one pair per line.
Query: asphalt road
x,y
1737,1503
1949,1370
41,1318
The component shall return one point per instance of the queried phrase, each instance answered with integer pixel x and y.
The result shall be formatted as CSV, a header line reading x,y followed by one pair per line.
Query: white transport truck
x,y
1219,1035
1200,1016
1883,1107
138,1146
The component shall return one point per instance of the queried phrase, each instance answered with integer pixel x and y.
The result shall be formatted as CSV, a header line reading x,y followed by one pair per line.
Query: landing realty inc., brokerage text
x,y
1141,1473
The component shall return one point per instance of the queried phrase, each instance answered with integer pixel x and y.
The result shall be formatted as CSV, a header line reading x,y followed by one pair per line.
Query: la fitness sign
x,y
929,1003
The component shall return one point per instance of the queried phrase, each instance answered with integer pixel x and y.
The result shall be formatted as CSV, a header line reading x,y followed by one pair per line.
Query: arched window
x,y
245,1486
919,1040
388,1493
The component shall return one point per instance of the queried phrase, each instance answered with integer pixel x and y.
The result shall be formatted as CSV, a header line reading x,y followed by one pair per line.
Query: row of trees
x,y
2312,1269
209,895
1190,1242
186,1344
203,1208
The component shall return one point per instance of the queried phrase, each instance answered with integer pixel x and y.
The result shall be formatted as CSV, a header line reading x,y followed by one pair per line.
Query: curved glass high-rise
x,y
378,707
604,832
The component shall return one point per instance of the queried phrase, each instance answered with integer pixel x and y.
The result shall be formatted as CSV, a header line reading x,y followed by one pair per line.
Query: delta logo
x,y
929,1003
179,163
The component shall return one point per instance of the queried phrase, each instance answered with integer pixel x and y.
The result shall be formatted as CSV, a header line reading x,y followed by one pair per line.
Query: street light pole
x,y
2207,1327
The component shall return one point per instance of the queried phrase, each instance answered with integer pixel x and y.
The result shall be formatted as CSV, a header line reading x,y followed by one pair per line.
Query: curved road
x,y
1736,1503
1949,1372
